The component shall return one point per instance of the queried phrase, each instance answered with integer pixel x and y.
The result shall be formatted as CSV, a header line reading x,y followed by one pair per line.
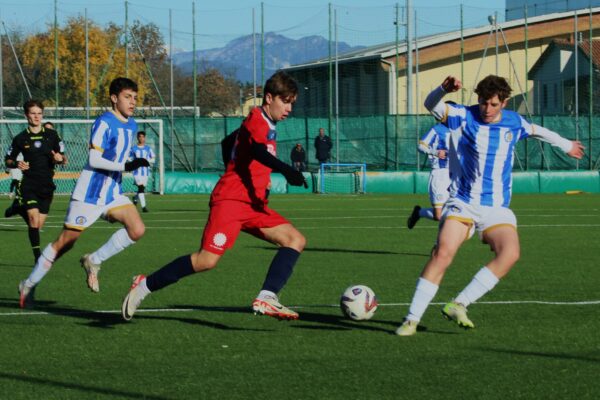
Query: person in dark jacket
x,y
323,146
298,157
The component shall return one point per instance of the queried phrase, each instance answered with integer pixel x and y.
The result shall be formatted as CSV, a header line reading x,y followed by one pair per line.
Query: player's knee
x,y
136,231
295,240
443,254
204,261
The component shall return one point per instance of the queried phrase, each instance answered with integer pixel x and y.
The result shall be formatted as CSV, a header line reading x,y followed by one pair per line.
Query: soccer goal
x,y
343,178
76,136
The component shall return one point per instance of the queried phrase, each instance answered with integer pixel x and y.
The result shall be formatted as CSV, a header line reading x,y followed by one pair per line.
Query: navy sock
x,y
170,273
281,269
34,239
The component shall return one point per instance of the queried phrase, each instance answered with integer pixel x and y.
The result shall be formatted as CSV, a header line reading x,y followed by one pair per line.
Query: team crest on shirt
x,y
37,144
80,220
508,136
219,239
455,209
272,135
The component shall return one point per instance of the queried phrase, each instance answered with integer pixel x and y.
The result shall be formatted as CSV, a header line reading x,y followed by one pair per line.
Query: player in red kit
x,y
239,202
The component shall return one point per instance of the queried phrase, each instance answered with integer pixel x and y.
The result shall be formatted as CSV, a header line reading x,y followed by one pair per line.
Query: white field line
x,y
172,310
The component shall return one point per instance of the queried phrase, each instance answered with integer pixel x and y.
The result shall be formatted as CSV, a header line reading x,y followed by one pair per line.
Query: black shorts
x,y
39,196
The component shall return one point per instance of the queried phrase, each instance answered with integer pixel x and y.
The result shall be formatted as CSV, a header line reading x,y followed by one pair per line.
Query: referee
x,y
42,148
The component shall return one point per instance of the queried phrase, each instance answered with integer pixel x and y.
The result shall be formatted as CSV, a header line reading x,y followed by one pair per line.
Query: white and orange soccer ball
x,y
358,302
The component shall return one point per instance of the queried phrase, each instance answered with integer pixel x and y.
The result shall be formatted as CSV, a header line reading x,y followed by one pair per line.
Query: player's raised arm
x,y
434,103
573,148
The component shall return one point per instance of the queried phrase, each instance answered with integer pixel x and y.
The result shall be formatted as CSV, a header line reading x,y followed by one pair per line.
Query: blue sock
x,y
170,273
426,213
281,269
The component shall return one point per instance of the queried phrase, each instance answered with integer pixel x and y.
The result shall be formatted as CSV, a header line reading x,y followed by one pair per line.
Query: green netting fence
x,y
384,143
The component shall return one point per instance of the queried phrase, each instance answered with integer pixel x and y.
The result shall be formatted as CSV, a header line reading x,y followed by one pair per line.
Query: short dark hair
x,y
493,85
141,133
48,123
32,103
119,84
281,84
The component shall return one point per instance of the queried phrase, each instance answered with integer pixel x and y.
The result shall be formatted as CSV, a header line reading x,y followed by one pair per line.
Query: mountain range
x,y
235,59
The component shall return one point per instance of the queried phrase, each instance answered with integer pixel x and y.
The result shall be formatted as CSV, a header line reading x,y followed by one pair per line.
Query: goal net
x,y
343,178
76,136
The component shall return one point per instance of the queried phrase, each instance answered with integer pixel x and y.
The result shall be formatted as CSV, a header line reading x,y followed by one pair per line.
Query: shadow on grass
x,y
86,390
560,356
17,265
350,251
109,320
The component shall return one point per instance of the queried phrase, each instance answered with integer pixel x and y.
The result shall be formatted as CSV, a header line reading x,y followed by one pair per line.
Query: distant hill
x,y
280,51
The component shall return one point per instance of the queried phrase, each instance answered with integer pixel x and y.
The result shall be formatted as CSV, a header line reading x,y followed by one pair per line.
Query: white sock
x,y
483,281
144,288
426,213
142,198
118,242
42,266
424,293
265,294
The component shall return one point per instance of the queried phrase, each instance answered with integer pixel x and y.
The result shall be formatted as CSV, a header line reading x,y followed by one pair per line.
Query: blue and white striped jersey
x,y
437,138
142,152
113,138
482,155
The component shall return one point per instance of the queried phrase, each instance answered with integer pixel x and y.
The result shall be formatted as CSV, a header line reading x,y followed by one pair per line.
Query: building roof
x,y
561,44
388,50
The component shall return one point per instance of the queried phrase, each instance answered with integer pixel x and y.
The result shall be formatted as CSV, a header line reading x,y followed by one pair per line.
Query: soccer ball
x,y
358,302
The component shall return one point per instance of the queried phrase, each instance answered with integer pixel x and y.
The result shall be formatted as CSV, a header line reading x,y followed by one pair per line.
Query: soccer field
x,y
536,333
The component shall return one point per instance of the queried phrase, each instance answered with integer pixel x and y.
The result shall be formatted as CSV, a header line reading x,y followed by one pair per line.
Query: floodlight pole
x,y
126,30
409,59
55,54
1,79
87,68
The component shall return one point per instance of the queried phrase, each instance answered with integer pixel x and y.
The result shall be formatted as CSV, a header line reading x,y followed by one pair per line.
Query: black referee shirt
x,y
37,151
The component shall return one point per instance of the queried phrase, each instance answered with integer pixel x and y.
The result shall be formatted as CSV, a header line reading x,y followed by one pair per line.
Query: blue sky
x,y
360,22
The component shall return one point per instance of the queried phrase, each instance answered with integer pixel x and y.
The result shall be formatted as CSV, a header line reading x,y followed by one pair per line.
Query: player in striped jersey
x,y
140,175
482,144
435,144
98,191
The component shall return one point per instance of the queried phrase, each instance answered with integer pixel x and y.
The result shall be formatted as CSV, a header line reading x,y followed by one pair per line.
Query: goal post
x,y
76,136
343,178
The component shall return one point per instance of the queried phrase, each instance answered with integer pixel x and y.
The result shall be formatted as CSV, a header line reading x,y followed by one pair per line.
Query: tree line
x,y
147,60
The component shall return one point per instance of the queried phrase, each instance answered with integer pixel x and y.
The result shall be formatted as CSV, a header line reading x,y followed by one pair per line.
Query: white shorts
x,y
140,180
439,181
480,218
81,215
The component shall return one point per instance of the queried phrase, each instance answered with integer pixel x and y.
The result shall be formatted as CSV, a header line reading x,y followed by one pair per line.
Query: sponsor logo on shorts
x,y
508,136
219,239
80,220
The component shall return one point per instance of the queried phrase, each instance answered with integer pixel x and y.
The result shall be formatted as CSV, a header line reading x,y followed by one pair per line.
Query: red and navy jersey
x,y
246,179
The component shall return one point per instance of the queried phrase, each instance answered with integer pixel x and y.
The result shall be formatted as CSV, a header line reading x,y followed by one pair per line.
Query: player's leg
x,y
142,196
498,226
276,229
35,220
48,257
141,182
123,211
453,233
220,233
504,241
